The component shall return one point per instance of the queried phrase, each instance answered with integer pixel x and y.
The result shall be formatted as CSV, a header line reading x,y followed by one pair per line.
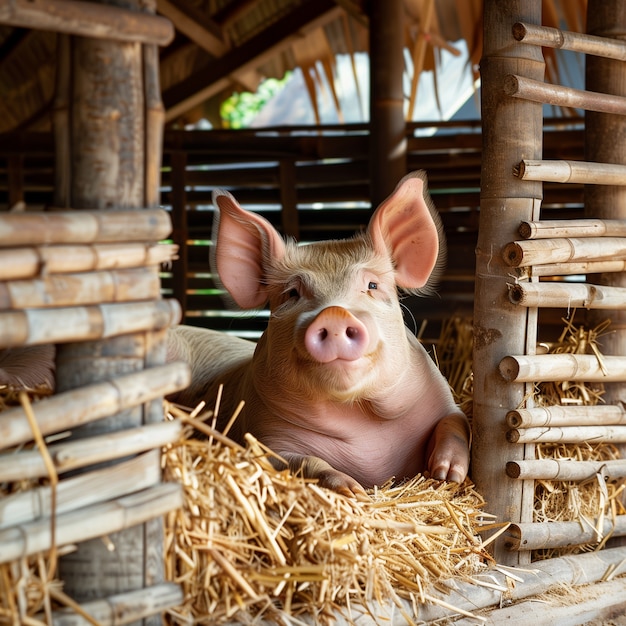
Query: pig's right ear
x,y
243,243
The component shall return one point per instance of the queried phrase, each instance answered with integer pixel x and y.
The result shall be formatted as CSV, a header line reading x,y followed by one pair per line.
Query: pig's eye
x,y
294,293
372,285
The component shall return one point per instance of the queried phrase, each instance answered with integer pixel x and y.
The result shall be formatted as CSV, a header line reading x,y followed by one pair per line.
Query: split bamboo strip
x,y
564,250
568,469
89,451
529,536
567,295
63,290
571,269
549,229
123,608
29,262
557,415
557,95
80,491
562,171
565,40
563,367
568,434
104,519
38,326
88,19
69,227
73,408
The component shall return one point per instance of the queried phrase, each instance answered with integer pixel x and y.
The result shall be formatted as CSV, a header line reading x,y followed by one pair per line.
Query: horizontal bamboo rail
x,y
564,250
569,470
568,434
557,415
567,295
20,263
550,229
566,40
538,536
99,485
78,453
562,171
86,288
38,326
88,19
122,608
103,519
570,269
557,95
561,367
74,408
70,227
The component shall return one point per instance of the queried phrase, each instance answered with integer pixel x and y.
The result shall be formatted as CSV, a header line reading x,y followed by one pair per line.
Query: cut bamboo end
x,y
563,367
565,470
563,171
606,415
568,434
539,536
550,229
567,295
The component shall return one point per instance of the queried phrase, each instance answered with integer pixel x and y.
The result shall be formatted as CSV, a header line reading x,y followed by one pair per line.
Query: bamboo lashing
x,y
567,434
91,402
88,19
69,227
567,295
89,451
557,95
99,485
557,415
564,250
566,40
562,171
570,269
561,367
531,536
549,229
567,470
104,518
38,326
86,288
29,262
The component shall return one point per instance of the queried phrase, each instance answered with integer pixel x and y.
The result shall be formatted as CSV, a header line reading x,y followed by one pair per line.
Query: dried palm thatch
x,y
253,541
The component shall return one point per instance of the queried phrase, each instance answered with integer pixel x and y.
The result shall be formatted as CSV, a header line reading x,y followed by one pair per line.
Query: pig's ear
x,y
407,226
243,243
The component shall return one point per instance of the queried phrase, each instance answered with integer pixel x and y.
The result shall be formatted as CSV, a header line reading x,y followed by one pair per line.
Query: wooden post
x,y
512,131
103,124
388,142
180,230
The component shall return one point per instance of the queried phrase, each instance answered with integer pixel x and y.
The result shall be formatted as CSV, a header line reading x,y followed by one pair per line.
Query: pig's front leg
x,y
449,449
326,474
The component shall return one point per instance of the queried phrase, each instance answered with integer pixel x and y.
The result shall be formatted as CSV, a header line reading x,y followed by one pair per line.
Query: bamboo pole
x,y
568,470
123,608
70,409
564,250
63,290
38,326
565,40
562,171
88,19
570,269
155,116
563,367
104,518
550,535
82,490
28,229
549,229
567,295
606,415
568,434
78,453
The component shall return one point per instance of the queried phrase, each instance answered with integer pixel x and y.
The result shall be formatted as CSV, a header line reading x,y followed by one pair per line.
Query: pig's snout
x,y
336,334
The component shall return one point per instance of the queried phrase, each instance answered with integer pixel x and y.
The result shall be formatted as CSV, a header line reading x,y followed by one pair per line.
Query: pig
x,y
336,385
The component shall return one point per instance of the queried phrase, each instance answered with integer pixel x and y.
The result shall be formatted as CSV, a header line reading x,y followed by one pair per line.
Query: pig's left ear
x,y
407,226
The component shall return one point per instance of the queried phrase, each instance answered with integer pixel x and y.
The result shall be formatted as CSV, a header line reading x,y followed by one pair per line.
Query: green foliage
x,y
241,108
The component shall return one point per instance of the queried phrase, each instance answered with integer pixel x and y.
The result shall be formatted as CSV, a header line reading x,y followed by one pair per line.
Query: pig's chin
x,y
342,380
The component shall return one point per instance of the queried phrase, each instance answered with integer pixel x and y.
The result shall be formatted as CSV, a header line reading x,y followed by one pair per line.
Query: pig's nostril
x,y
323,333
352,333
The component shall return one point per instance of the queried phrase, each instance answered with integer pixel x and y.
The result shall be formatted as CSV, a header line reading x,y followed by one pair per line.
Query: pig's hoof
x,y
342,483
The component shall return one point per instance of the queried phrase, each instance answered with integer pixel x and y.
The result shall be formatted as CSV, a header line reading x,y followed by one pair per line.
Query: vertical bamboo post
x,y
388,142
107,116
180,230
512,130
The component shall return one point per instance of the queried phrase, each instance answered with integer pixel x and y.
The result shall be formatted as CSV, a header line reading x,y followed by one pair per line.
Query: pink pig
x,y
337,385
